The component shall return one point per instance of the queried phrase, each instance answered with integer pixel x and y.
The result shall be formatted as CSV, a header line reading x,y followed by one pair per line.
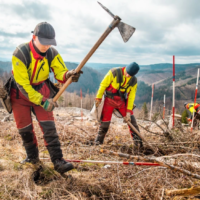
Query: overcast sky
x,y
163,28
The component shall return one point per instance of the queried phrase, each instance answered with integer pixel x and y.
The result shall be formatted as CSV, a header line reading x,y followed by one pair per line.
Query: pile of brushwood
x,y
176,177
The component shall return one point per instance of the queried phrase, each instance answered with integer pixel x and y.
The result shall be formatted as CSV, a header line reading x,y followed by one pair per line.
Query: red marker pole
x,y
151,101
114,162
110,162
81,105
195,97
173,107
164,108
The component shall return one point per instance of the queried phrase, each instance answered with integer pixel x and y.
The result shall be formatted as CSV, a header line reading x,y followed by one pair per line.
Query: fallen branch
x,y
149,131
141,136
165,133
167,143
184,154
186,172
184,192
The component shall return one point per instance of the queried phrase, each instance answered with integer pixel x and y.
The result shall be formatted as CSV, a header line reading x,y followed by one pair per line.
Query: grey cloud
x,y
162,48
152,31
27,9
86,21
182,50
157,33
186,10
7,45
7,48
14,35
68,47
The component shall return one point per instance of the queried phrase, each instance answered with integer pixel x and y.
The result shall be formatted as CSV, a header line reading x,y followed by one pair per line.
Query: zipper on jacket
x,y
61,62
34,70
41,67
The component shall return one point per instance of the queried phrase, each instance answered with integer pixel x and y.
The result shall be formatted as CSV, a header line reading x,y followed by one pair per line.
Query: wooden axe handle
x,y
94,48
140,135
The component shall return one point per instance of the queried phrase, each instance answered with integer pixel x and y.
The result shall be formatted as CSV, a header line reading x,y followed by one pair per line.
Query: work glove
x,y
49,105
58,85
72,73
3,93
188,119
127,117
97,102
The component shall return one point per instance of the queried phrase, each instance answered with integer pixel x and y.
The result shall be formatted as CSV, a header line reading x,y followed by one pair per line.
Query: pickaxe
x,y
126,32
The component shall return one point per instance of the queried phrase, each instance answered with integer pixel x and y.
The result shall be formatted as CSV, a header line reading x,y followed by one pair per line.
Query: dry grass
x,y
92,181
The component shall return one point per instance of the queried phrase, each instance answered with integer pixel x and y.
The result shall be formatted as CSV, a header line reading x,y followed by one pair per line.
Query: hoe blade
x,y
125,30
106,9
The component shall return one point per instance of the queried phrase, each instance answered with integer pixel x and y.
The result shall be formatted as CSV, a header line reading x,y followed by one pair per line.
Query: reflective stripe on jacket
x,y
37,72
110,83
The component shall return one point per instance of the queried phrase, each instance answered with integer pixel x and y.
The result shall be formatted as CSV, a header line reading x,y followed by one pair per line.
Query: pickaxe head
x,y
125,30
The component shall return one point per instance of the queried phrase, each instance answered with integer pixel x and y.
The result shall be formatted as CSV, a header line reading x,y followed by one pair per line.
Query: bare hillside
x,y
150,78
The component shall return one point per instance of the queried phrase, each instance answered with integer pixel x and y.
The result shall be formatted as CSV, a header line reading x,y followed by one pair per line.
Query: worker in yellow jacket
x,y
32,91
192,108
119,86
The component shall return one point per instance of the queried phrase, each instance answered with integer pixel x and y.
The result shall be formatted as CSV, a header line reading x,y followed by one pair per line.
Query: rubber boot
x,y
137,141
53,146
51,140
30,144
32,155
103,129
62,166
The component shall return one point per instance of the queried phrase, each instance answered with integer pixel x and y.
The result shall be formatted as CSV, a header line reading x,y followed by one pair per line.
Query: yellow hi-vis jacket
x,y
110,82
37,71
192,107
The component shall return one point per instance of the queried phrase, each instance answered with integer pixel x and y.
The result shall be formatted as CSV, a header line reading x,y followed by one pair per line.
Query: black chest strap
x,y
117,72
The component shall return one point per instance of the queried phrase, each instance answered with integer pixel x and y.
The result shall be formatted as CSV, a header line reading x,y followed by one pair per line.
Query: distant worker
x,y
32,91
192,108
120,86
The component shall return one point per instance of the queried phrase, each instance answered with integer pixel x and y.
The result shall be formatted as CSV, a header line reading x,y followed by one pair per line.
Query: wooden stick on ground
x,y
172,167
140,135
193,191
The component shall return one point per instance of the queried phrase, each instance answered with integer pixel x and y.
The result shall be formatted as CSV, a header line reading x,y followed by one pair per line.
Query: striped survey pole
x,y
173,106
81,104
164,108
151,102
195,97
110,162
114,162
